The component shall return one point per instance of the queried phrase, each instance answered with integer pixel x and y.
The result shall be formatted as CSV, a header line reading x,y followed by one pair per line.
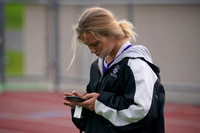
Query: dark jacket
x,y
131,96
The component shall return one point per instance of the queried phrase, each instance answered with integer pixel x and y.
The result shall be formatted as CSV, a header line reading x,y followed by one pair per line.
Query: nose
x,y
92,50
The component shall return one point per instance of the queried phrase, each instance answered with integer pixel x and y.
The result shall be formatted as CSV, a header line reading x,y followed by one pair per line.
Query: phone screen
x,y
75,98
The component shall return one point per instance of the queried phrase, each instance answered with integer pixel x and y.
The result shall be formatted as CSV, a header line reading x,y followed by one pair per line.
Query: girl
x,y
124,93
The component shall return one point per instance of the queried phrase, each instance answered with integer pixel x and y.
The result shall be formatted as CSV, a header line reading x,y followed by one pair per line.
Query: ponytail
x,y
128,30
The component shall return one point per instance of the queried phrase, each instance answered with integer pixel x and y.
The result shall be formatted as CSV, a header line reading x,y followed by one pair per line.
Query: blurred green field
x,y
14,21
14,16
14,63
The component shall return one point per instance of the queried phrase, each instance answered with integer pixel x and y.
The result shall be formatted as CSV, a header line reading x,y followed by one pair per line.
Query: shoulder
x,y
136,63
139,66
94,64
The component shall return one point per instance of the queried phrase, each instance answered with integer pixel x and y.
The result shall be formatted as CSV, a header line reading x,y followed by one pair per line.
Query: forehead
x,y
87,38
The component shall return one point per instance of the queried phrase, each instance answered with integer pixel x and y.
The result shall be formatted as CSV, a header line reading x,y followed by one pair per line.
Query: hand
x,y
70,103
90,101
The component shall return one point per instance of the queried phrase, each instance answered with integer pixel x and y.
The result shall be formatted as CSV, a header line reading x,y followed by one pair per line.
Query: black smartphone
x,y
75,98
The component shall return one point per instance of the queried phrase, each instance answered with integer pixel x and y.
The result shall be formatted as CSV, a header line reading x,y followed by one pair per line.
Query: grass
x,y
14,16
14,20
14,63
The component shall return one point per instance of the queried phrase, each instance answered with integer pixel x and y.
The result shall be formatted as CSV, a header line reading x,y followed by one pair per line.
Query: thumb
x,y
84,93
77,94
88,96
91,95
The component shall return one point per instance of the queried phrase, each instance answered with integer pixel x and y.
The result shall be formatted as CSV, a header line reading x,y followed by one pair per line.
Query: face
x,y
100,49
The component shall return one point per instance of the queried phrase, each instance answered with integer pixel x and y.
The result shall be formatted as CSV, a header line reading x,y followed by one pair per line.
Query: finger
x,y
70,104
68,94
88,96
67,103
84,93
65,97
88,104
77,94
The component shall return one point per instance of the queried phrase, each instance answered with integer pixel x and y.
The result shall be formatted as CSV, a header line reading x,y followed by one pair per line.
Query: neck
x,y
112,55
118,45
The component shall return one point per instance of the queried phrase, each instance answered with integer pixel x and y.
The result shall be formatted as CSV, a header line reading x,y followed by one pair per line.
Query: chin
x,y
101,56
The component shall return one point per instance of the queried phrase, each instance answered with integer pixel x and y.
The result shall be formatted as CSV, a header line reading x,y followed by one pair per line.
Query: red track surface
x,y
42,112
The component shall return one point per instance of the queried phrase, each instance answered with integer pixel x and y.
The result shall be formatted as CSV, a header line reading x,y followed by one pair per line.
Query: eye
x,y
94,44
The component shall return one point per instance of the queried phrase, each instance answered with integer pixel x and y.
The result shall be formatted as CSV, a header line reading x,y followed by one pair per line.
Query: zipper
x,y
101,79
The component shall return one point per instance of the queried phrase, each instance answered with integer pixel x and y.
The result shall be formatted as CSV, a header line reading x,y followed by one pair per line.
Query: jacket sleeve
x,y
134,105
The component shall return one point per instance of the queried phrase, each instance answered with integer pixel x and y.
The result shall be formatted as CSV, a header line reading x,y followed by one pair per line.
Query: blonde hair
x,y
101,23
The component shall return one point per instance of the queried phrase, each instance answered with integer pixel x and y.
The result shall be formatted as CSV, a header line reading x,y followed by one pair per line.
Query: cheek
x,y
105,52
104,49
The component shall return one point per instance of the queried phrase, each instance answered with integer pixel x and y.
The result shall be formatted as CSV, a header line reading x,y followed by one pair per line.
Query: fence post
x,y
2,47
56,28
53,42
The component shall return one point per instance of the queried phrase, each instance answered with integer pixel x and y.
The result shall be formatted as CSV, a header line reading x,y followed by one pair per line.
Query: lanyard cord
x,y
105,68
